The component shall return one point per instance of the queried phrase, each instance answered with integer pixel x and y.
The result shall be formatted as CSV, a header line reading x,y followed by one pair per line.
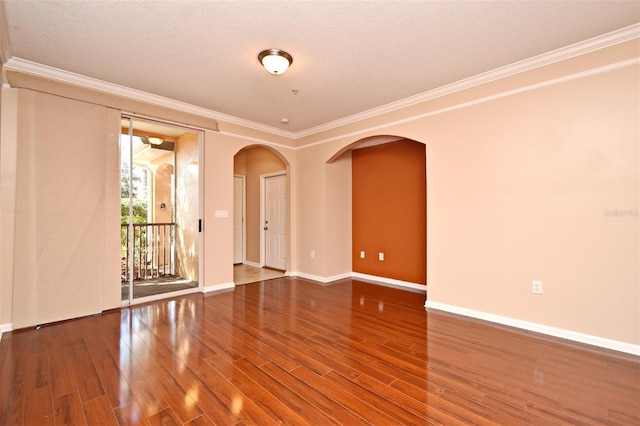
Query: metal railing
x,y
153,251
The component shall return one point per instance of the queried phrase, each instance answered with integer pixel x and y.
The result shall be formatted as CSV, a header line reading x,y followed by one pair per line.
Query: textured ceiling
x,y
348,56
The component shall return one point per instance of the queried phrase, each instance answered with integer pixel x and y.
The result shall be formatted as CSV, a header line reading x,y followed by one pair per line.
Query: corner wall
x,y
531,177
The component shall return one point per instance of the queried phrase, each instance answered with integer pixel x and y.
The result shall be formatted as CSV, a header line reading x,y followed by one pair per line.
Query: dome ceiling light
x,y
275,61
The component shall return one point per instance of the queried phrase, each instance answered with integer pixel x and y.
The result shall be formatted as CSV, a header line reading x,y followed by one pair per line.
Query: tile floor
x,y
245,274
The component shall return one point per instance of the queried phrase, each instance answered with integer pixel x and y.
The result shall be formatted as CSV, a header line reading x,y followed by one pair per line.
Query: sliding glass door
x,y
160,209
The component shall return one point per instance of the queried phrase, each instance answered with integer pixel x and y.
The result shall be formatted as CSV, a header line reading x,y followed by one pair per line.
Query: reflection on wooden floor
x,y
292,352
161,285
245,274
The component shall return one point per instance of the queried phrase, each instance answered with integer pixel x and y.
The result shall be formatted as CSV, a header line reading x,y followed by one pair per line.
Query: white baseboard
x,y
218,287
538,328
389,281
254,264
4,328
363,277
318,278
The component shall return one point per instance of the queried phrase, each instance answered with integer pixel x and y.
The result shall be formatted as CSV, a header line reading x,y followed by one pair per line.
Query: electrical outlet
x,y
313,254
536,287
381,256
362,254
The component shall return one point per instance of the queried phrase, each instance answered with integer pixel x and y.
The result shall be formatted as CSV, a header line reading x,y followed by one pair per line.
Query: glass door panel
x,y
160,207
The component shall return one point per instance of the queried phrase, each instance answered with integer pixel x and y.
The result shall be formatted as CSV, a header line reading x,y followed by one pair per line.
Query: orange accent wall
x,y
389,211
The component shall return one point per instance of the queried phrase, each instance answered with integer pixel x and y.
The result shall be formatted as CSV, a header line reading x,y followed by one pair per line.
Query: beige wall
x,y
8,157
162,190
521,175
252,163
187,206
525,179
218,168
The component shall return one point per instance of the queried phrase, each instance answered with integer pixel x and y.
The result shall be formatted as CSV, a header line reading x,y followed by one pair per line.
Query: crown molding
x,y
577,49
580,48
33,68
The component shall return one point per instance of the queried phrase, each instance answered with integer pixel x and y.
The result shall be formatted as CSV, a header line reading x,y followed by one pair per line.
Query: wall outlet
x,y
380,256
362,254
313,254
536,287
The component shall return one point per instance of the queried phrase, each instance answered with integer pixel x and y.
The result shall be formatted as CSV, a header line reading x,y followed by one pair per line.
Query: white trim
x,y
580,48
201,165
218,287
258,140
254,264
5,328
68,77
538,328
388,281
243,178
373,279
320,279
563,79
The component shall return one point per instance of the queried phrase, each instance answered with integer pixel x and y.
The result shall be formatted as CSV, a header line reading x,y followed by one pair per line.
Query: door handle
x,y
265,228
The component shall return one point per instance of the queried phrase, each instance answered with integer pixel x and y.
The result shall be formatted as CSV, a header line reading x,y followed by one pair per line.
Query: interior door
x,y
275,222
238,219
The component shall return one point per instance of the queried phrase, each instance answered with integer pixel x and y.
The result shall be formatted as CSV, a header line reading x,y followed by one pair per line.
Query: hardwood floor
x,y
288,351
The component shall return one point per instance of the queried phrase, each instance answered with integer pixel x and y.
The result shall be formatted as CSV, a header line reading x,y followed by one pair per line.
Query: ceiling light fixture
x,y
275,61
155,141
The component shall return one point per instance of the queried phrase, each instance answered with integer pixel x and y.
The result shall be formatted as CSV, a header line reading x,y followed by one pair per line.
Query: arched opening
x,y
388,208
261,217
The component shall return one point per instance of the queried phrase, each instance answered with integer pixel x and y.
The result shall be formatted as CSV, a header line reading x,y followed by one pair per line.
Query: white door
x,y
238,219
275,221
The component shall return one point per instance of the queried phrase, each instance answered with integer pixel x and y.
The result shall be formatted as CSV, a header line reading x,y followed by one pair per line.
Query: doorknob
x,y
265,228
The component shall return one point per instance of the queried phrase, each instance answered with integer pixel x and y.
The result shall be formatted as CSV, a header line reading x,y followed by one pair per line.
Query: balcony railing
x,y
153,251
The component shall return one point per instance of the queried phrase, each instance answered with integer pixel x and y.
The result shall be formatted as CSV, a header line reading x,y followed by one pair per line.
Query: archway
x,y
257,239
388,207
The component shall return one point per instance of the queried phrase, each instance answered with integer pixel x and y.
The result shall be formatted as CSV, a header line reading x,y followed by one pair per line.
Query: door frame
x,y
199,162
263,215
244,215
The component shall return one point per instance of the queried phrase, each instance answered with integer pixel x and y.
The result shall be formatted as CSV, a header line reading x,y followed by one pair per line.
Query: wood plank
x,y
330,407
290,351
98,412
165,417
38,407
68,410
131,415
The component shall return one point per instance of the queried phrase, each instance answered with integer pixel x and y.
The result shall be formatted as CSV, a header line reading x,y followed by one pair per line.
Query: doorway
x,y
160,209
238,220
253,164
274,209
